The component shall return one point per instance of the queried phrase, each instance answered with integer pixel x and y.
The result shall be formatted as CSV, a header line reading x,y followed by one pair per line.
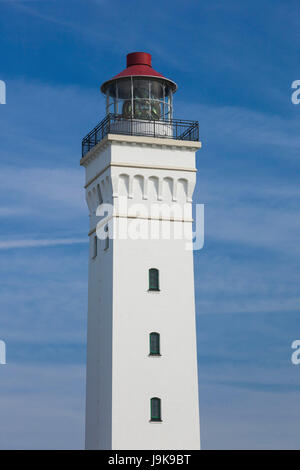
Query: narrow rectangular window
x,y
155,405
100,199
153,279
95,247
154,344
106,246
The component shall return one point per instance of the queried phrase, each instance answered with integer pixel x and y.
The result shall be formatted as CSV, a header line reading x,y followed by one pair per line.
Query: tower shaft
x,y
142,386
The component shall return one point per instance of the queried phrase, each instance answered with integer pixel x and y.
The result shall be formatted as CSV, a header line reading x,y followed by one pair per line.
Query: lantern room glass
x,y
140,98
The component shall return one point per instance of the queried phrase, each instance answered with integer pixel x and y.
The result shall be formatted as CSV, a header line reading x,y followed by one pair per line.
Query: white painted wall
x,y
121,377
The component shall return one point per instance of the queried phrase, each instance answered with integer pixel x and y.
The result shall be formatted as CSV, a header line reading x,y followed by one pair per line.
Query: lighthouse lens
x,y
140,98
127,109
142,109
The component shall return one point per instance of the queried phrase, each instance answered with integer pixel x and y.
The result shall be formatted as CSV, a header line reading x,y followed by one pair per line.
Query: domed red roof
x,y
139,64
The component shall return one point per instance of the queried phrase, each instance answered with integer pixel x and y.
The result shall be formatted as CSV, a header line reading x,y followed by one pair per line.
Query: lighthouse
x,y
140,174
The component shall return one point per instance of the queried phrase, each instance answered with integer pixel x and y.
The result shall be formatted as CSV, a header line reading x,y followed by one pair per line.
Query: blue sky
x,y
234,63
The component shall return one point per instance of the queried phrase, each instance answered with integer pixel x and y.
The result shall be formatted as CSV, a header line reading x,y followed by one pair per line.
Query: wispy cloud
x,y
232,128
43,188
11,244
53,417
45,288
12,211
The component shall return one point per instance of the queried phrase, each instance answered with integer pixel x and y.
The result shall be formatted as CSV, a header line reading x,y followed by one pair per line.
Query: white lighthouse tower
x,y
142,385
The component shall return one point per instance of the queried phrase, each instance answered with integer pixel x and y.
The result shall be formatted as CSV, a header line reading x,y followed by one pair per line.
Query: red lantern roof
x,y
139,65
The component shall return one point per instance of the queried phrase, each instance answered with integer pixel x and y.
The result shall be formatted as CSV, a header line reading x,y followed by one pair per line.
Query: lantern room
x,y
139,102
139,91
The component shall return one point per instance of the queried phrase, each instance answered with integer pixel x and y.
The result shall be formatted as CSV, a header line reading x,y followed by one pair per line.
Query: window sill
x,y
153,290
155,420
154,355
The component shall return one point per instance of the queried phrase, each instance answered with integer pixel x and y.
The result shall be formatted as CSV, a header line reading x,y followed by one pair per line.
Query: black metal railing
x,y
116,124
